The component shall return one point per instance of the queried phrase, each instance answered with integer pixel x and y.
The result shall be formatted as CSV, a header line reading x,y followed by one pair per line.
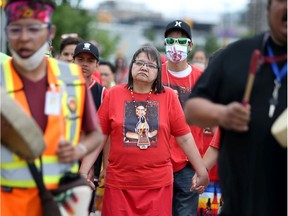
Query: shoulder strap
x,y
37,176
49,206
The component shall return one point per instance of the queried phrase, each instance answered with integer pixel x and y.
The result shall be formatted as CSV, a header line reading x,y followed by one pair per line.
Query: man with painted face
x,y
36,81
181,76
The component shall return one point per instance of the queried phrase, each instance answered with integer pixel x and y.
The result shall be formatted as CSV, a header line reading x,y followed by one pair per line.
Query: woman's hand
x,y
199,182
101,178
90,178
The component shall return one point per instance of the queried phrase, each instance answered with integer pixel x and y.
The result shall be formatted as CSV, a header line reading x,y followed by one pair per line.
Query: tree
x,y
72,3
195,47
150,34
211,44
107,43
69,19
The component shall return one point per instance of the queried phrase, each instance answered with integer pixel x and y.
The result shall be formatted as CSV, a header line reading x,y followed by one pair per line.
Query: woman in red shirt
x,y
140,118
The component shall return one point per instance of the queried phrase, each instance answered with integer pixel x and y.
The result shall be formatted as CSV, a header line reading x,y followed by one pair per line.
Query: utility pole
x,y
3,46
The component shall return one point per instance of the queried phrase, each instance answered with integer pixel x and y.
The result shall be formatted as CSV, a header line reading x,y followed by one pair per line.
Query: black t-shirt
x,y
252,165
97,92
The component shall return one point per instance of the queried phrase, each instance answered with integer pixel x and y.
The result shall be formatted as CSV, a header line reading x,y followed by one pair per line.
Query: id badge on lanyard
x,y
52,101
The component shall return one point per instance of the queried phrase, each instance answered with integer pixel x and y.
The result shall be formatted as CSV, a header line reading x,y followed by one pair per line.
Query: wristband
x,y
83,148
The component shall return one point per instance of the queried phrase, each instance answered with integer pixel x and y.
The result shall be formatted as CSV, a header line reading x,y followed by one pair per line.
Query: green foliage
x,y
211,44
68,19
161,49
150,34
72,3
107,43
195,48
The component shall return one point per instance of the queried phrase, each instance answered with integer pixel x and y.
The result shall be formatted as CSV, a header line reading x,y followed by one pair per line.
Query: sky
x,y
200,10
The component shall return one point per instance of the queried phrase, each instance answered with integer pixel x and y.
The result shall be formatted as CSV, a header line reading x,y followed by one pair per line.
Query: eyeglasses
x,y
181,41
140,63
15,31
71,35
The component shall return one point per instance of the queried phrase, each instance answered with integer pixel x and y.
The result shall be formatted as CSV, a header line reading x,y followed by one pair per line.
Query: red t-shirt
x,y
215,142
129,166
183,86
35,93
96,76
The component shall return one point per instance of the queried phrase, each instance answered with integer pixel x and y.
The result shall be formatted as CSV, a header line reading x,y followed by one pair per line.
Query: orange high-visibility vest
x,y
68,80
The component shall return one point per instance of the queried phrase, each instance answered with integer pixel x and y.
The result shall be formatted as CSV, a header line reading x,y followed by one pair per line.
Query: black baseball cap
x,y
87,47
179,25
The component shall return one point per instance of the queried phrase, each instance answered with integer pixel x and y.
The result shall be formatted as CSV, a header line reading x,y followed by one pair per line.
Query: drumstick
x,y
252,71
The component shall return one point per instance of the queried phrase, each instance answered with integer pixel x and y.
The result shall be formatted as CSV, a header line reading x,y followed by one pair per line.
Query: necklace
x,y
134,102
142,126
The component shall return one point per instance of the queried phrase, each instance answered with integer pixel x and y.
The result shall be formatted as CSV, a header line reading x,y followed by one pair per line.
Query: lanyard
x,y
279,76
278,73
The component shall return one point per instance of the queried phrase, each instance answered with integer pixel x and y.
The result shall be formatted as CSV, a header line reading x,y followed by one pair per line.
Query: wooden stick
x,y
252,71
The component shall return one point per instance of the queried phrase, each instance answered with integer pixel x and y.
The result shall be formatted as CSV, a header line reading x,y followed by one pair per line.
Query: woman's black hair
x,y
153,55
109,64
69,41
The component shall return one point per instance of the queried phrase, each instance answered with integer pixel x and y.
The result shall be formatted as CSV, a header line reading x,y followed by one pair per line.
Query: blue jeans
x,y
185,203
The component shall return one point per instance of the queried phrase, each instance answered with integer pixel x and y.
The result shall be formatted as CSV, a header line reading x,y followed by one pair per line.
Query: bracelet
x,y
83,148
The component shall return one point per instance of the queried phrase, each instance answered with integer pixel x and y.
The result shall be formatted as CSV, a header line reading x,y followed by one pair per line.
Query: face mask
x,y
176,53
33,61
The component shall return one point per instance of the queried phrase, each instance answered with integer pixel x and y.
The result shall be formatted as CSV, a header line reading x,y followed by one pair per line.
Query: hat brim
x,y
177,29
85,51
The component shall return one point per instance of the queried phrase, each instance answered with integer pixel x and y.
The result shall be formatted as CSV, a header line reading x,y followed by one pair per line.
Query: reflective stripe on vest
x,y
17,174
7,78
14,170
68,79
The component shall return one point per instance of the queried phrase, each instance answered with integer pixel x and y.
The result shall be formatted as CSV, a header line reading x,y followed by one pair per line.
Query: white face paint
x,y
176,52
33,61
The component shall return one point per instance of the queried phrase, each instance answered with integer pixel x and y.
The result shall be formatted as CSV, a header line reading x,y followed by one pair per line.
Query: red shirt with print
x,y
131,167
